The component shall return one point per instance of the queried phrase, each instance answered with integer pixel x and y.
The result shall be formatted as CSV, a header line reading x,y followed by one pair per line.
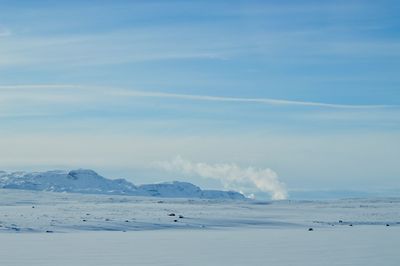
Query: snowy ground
x,y
358,246
118,230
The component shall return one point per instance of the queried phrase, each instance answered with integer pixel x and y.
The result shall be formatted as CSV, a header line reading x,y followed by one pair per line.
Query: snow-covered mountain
x,y
88,181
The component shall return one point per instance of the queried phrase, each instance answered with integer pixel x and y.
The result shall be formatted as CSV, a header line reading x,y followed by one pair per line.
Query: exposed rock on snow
x,y
88,181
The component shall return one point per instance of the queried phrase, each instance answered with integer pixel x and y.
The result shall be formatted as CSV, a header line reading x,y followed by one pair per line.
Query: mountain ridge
x,y
88,181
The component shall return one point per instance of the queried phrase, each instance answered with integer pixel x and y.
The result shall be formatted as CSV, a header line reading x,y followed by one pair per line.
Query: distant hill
x,y
89,182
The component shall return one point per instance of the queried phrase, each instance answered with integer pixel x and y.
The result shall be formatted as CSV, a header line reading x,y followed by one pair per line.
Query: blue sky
x,y
309,89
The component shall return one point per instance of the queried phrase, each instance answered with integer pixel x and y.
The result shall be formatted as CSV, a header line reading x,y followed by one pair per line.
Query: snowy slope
x,y
88,181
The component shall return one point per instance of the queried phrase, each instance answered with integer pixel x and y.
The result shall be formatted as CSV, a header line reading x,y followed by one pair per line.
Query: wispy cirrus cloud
x,y
205,40
139,44
268,101
58,91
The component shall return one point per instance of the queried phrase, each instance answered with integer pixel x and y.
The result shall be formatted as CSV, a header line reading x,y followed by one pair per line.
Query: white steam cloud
x,y
232,176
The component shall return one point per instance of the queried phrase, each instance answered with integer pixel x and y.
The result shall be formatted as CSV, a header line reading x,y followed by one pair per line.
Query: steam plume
x,y
232,176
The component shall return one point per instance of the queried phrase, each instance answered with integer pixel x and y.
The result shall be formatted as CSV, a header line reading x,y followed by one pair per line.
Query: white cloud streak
x,y
232,176
268,101
120,92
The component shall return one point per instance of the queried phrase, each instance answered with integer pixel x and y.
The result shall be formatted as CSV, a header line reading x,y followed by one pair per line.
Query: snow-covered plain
x,y
48,228
358,246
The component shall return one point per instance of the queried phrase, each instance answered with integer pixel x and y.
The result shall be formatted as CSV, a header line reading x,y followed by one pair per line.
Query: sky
x,y
308,90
